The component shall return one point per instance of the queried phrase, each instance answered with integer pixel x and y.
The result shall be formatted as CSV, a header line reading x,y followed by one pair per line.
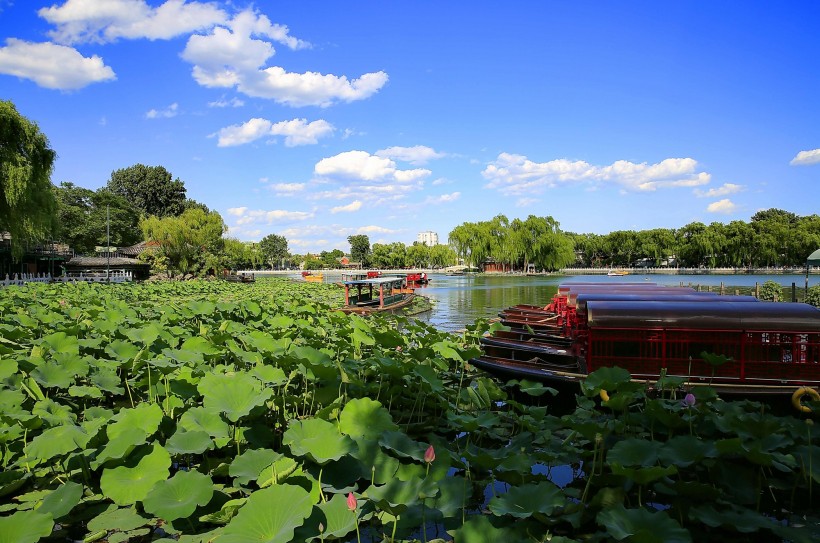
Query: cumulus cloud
x,y
364,166
806,158
287,189
724,206
234,55
517,175
297,132
52,66
104,21
725,190
167,113
355,205
260,216
233,102
417,155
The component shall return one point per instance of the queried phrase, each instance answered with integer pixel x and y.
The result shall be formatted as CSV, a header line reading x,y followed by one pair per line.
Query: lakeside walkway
x,y
695,271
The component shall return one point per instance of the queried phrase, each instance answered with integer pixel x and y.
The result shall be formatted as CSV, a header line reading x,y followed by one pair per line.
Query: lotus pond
x,y
237,413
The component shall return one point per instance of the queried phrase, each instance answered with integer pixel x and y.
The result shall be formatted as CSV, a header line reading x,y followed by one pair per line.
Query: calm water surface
x,y
460,300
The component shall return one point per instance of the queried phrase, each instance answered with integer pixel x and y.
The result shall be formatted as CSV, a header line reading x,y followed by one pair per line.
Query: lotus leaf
x,y
79,391
278,471
527,500
52,375
317,439
202,308
62,343
269,516
106,379
120,446
402,445
270,375
608,379
60,502
179,496
280,321
233,394
122,351
189,442
454,496
683,451
339,521
117,518
397,495
207,420
430,377
635,452
144,335
56,442
265,343
226,513
53,413
247,466
365,418
480,529
7,368
73,364
130,483
198,344
642,526
25,527
378,464
144,416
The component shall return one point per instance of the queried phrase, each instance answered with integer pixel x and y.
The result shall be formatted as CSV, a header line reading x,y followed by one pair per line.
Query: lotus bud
x,y
689,400
430,455
321,528
351,502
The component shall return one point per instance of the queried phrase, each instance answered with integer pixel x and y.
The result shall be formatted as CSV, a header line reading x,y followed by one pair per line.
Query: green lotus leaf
x,y
247,466
642,526
56,442
233,394
117,518
53,413
339,520
683,451
7,368
397,495
278,471
532,388
25,527
381,467
480,529
130,483
526,500
144,416
11,480
266,343
646,475
60,502
199,344
365,418
179,496
280,321
429,376
189,442
317,439
185,356
200,307
52,375
62,343
144,335
206,420
402,445
11,400
73,364
635,452
122,351
270,375
125,441
447,350
107,380
269,516
226,513
454,495
78,391
604,379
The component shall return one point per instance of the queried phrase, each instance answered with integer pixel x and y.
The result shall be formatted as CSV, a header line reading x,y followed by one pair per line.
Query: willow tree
x,y
27,205
189,241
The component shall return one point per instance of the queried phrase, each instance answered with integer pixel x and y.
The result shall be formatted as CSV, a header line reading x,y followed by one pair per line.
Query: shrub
x,y
771,291
813,296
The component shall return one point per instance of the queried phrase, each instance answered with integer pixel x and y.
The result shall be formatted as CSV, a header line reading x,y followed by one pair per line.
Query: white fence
x,y
94,277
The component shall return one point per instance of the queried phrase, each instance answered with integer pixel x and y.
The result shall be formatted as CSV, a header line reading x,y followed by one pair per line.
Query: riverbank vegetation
x,y
228,412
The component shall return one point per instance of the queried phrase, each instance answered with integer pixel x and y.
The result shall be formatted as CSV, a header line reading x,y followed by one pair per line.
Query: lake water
x,y
460,300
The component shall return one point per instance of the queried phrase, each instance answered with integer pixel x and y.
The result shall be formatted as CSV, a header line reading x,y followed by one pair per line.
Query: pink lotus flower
x,y
430,455
351,502
689,400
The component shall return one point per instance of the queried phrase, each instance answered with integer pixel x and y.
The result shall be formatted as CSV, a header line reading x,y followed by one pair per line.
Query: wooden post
x,y
757,290
722,289
794,293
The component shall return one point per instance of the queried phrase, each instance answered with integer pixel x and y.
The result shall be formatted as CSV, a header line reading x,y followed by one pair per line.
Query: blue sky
x,y
318,120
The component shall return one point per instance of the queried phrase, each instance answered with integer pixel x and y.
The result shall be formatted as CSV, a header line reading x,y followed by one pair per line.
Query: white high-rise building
x,y
428,238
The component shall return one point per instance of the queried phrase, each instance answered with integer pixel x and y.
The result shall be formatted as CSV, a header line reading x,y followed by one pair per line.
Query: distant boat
x,y
617,273
377,294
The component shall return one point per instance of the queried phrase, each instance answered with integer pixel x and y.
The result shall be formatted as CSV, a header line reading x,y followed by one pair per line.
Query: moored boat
x,y
365,296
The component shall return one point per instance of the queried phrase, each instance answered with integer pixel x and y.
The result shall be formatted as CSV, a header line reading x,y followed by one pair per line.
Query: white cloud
x,y
108,20
725,190
233,102
52,66
261,216
355,205
444,198
287,189
517,175
234,55
167,113
372,229
525,202
364,166
806,158
417,155
724,206
297,132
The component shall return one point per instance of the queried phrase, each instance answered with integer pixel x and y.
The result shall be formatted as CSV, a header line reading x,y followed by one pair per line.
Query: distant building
x,y
427,238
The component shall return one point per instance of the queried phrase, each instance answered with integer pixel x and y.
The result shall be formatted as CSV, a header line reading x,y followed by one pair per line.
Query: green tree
x,y
360,249
27,204
418,255
151,190
442,256
187,241
86,218
274,248
330,259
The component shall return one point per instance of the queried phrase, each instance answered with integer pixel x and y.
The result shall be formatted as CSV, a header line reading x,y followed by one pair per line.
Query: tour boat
x,y
365,296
